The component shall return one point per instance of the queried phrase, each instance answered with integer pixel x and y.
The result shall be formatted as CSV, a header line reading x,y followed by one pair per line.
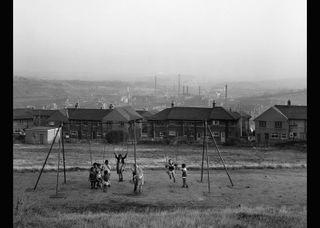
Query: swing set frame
x,y
61,142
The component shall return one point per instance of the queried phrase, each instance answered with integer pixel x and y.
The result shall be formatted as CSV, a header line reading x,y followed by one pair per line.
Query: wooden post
x,y
134,146
220,155
203,149
63,156
57,185
46,159
207,156
90,152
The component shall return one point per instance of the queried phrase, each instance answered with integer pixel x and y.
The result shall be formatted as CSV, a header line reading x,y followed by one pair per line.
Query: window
x,y
278,124
283,136
172,133
293,134
121,124
215,122
216,134
161,134
262,123
293,123
198,135
274,136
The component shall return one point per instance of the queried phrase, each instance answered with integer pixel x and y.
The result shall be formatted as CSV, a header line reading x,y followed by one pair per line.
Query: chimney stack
x,y
289,102
172,104
213,103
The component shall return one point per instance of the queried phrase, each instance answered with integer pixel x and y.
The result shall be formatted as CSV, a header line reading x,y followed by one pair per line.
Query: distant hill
x,y
41,92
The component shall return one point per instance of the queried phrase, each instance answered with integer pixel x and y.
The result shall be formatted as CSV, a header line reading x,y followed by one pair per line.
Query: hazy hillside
x,y
41,92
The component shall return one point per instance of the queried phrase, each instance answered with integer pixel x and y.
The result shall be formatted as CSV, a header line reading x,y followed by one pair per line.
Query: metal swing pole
x,y
134,147
206,145
203,149
220,155
46,159
104,150
90,152
63,156
57,185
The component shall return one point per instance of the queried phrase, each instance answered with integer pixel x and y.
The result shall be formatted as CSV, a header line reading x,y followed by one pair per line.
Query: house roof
x,y
43,112
59,115
88,114
293,111
129,113
123,114
194,114
22,113
145,114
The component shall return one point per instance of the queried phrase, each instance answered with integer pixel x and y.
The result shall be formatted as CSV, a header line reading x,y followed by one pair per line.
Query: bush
x,y
235,141
114,137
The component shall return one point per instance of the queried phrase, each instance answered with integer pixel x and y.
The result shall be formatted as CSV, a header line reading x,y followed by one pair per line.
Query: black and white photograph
x,y
159,113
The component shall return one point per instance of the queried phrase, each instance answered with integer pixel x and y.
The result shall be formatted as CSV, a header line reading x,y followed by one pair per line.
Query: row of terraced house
x,y
278,123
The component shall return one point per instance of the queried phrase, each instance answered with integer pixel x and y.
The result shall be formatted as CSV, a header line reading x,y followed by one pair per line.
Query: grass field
x,y
31,157
259,198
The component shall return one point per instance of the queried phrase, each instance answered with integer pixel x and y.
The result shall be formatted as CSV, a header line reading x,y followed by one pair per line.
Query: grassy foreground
x,y
230,217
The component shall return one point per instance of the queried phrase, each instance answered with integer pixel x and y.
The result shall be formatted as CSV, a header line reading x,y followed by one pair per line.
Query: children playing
x,y
105,180
99,175
184,176
171,167
120,165
92,178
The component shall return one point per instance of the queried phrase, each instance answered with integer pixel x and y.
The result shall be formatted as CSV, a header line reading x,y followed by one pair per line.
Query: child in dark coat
x,y
92,178
184,176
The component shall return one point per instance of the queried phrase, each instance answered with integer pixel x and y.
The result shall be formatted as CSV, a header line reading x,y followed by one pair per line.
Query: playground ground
x,y
259,198
270,188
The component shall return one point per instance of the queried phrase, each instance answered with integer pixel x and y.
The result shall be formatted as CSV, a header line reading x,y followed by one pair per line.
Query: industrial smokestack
x,y
178,85
213,103
155,85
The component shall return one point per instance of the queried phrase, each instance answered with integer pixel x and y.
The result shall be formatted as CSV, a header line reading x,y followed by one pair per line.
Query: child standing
x,y
184,176
98,175
105,181
92,178
171,167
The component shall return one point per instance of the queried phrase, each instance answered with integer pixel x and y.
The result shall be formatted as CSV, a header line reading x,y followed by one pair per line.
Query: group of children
x,y
171,166
100,175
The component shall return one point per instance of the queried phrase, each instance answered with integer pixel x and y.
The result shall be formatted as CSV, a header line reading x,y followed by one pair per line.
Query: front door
x,y
223,137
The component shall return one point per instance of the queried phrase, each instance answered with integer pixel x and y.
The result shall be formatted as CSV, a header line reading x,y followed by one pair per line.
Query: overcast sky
x,y
217,39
